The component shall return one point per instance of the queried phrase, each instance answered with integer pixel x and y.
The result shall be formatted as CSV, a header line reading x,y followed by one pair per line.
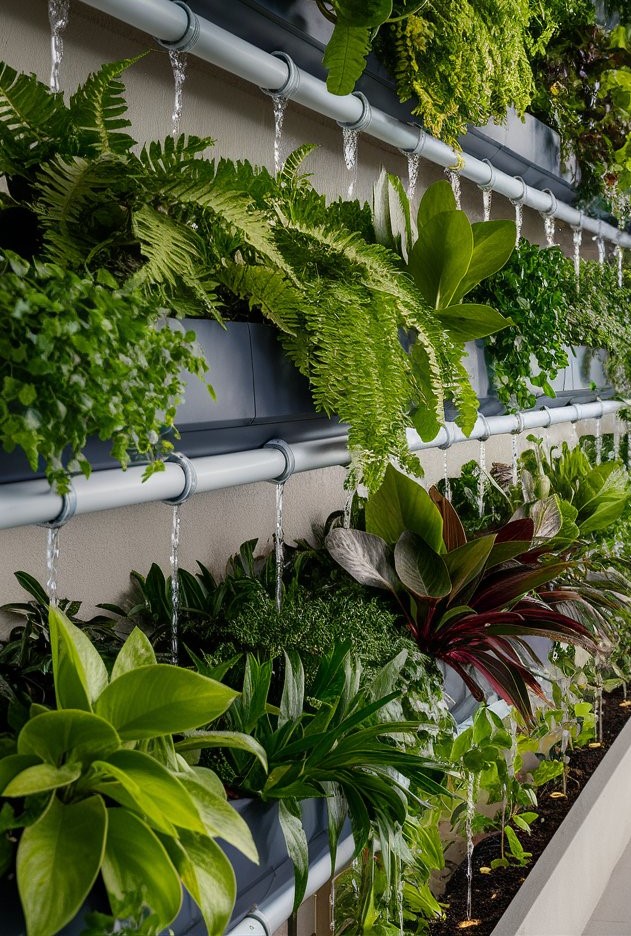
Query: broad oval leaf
x,y
58,860
290,815
136,860
467,321
345,56
79,672
214,884
219,817
493,243
421,569
162,699
403,504
40,778
136,651
12,765
440,257
69,734
438,198
364,556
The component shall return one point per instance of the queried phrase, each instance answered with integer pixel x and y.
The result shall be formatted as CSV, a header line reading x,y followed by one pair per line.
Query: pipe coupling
x,y
365,118
548,412
419,146
290,461
552,210
490,185
292,81
486,427
450,436
67,512
520,199
190,479
519,428
191,34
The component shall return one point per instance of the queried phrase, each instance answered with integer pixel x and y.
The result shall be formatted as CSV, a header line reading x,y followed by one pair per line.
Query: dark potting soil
x,y
492,893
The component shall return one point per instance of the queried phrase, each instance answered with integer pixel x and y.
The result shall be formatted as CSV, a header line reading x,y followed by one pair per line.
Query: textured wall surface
x,y
97,552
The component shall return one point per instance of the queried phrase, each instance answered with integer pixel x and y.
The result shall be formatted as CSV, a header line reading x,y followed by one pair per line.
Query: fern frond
x,y
162,158
288,176
172,249
97,108
267,290
33,120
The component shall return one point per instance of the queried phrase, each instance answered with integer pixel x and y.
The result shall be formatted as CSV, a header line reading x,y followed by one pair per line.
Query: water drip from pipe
x,y
454,180
52,564
549,225
58,16
179,64
174,560
350,140
280,106
598,441
577,241
279,544
487,200
414,162
482,478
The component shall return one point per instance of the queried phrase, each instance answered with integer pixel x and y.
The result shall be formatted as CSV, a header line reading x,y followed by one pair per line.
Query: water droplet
x,y
487,200
598,441
481,478
414,162
279,544
174,560
280,106
58,16
179,63
52,564
454,180
577,241
619,260
446,479
549,225
602,249
349,142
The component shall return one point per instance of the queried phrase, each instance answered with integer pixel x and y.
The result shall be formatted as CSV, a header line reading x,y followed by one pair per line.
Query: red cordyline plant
x,y
468,603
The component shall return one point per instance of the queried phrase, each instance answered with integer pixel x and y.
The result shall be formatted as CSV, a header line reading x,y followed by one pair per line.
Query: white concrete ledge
x,y
563,889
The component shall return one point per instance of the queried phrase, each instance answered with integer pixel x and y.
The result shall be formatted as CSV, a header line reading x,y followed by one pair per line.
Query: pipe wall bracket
x,y
191,34
365,118
490,185
190,479
290,461
419,146
67,512
520,199
292,81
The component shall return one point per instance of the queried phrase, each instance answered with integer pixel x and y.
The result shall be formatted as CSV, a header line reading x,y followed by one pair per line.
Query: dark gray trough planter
x,y
260,396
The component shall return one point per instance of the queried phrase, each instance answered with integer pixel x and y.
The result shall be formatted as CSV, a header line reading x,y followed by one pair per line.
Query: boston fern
x,y
199,236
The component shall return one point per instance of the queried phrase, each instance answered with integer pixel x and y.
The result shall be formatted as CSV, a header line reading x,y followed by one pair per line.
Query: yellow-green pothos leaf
x,y
42,777
68,734
79,672
136,651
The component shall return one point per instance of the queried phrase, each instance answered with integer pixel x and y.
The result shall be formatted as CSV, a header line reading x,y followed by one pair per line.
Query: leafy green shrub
x,y
81,356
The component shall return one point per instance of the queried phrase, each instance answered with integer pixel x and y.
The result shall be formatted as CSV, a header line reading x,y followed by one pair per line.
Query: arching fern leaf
x,y
97,110
32,119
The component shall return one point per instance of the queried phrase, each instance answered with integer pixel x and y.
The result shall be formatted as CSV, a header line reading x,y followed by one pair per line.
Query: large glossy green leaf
x,y
69,734
292,699
440,257
156,784
136,860
403,504
12,765
420,568
466,562
136,651
80,673
218,815
467,321
438,198
42,777
214,883
365,556
363,12
58,860
345,56
493,243
161,699
290,815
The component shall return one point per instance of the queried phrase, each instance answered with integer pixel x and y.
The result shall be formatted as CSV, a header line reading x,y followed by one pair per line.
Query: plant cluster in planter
x,y
170,229
367,697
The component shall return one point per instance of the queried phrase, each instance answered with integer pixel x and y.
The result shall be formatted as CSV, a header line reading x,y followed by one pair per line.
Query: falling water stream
x,y
58,16
519,221
447,489
470,815
414,162
515,459
598,441
602,252
487,201
280,106
481,478
350,139
454,180
52,564
279,543
348,509
174,559
577,241
619,261
549,224
179,63
616,439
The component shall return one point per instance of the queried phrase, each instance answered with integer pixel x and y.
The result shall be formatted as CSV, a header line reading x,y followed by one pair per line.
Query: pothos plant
x,y
96,780
223,237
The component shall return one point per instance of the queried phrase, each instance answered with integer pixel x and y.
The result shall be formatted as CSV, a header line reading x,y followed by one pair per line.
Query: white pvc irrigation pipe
x,y
26,502
266,919
175,24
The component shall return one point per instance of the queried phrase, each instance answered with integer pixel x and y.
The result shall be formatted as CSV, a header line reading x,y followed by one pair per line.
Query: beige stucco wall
x,y
97,552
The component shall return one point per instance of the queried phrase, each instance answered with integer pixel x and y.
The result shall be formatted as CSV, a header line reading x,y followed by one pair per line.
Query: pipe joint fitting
x,y
290,461
520,199
191,34
548,412
450,437
67,512
552,210
292,81
490,185
579,224
486,428
365,119
419,146
519,428
602,407
190,479
577,413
